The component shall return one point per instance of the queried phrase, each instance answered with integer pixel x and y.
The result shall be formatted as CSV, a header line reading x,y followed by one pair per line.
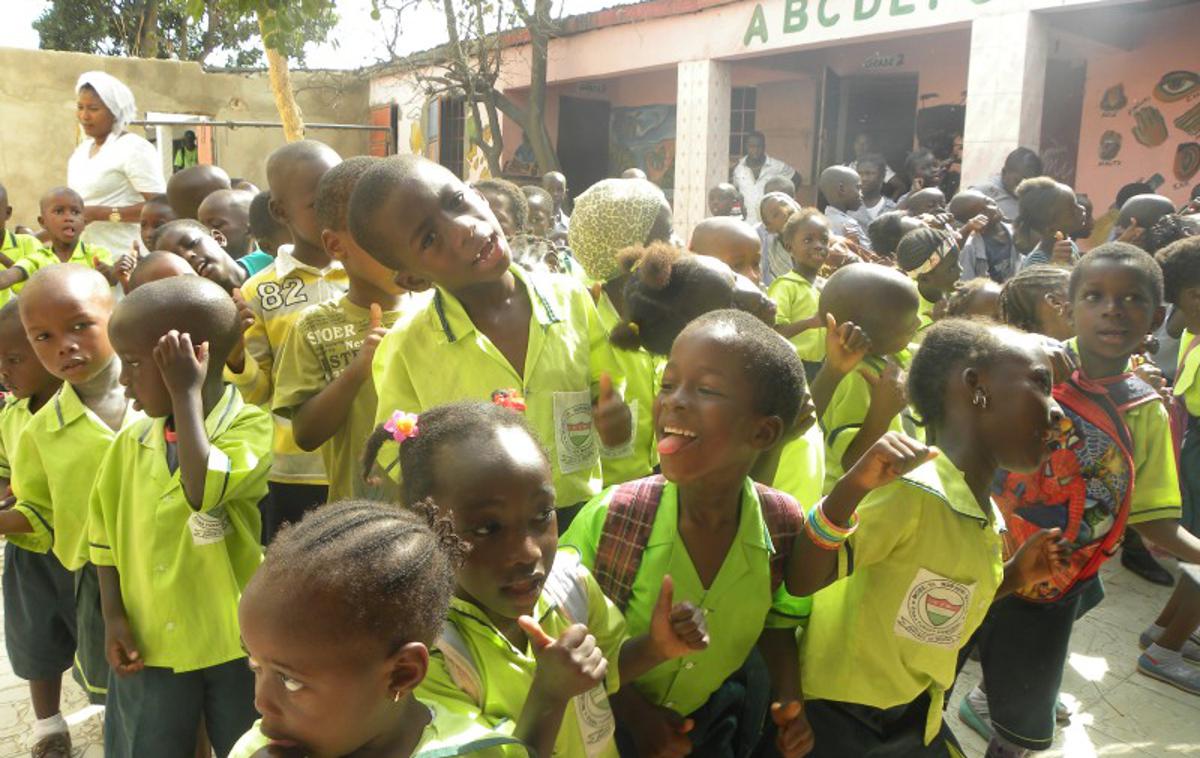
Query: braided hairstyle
x,y
470,419
1180,263
390,570
961,301
1021,295
949,346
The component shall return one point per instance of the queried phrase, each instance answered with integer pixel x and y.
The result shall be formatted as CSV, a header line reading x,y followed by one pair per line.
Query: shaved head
x,y
189,304
1147,209
294,153
187,189
65,280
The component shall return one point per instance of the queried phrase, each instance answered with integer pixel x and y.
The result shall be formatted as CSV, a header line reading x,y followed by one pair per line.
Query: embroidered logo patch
x,y
934,610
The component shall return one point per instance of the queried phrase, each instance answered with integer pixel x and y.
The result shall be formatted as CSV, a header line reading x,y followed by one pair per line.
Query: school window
x,y
452,130
743,105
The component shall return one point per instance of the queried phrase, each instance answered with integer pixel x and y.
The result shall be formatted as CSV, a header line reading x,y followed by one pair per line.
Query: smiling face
x,y
809,244
503,505
1021,418
21,372
1113,309
67,324
94,117
203,253
440,230
62,216
704,415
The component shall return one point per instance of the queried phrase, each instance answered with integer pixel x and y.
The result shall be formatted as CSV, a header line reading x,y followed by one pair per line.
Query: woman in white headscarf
x,y
114,170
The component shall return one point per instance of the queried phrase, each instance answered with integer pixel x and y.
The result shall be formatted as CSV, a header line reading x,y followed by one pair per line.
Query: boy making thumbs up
x,y
323,370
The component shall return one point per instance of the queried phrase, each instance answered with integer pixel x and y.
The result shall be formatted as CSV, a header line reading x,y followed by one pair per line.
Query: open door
x,y
583,125
829,109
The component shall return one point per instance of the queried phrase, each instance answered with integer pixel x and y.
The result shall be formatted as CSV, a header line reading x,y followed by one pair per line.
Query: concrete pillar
x,y
701,139
1006,83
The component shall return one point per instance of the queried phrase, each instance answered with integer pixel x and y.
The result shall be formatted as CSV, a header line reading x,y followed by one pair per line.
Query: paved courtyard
x,y
1118,712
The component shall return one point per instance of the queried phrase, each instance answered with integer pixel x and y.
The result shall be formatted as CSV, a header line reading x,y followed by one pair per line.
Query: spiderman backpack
x,y
1084,488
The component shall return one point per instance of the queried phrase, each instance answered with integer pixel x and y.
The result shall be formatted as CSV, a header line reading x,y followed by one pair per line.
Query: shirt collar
x,y
219,419
456,324
752,527
286,263
941,479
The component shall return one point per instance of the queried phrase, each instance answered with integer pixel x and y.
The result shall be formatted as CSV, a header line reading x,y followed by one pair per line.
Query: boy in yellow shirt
x,y
62,217
302,275
65,309
797,294
323,370
489,327
174,528
13,246
39,594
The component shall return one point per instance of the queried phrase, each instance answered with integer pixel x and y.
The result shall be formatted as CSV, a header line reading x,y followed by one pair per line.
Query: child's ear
x,y
412,282
277,212
332,244
221,239
408,667
40,222
7,212
767,432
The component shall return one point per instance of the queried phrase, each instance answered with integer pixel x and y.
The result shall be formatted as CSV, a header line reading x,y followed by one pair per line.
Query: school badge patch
x,y
934,610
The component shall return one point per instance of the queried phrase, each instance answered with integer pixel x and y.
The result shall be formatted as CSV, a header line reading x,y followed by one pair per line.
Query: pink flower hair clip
x,y
402,426
510,399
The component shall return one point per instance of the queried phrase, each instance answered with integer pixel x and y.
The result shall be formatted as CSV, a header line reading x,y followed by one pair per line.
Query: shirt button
x,y
689,665
160,568
670,704
170,626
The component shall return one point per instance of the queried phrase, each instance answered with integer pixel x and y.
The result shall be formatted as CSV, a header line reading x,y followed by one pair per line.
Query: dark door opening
x,y
583,141
885,109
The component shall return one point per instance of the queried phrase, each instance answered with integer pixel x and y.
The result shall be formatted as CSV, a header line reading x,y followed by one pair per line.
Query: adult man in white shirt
x,y
751,173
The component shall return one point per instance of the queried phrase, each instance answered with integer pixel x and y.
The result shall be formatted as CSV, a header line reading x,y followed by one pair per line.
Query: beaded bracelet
x,y
823,532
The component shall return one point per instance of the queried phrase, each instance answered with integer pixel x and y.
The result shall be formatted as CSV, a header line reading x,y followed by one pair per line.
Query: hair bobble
x,y
402,426
510,399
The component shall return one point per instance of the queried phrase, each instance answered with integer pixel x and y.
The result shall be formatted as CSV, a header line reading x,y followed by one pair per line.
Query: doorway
x,y
583,126
884,107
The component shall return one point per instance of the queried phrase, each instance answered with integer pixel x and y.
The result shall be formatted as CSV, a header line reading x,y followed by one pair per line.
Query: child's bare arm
x,y
800,326
566,667
845,347
184,368
14,522
794,736
1170,536
120,648
320,417
888,398
12,276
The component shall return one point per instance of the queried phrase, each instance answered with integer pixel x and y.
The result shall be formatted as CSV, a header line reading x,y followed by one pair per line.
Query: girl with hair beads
x,y
531,643
1049,212
338,623
1036,300
919,561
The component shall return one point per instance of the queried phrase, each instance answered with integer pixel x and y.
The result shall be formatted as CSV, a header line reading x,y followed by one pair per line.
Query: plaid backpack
x,y
630,518
1085,486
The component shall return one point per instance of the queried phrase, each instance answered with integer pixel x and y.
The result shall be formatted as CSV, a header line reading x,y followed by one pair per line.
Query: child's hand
x,y
1039,558
245,312
1061,360
124,269
887,389
614,422
676,630
845,345
120,648
106,270
661,733
237,356
892,456
183,366
975,226
1062,252
1133,233
1153,375
794,736
376,331
9,499
568,666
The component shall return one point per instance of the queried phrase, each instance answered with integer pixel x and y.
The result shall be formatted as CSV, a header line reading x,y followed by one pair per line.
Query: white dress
x,y
121,170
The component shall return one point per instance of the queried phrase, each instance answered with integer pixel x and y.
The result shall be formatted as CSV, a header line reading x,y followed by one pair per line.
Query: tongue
x,y
672,443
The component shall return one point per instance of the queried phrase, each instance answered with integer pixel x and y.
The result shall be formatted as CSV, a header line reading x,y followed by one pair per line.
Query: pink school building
x,y
1108,92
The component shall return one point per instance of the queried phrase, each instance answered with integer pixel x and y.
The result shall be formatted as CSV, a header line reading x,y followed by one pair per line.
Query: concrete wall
x,y
38,130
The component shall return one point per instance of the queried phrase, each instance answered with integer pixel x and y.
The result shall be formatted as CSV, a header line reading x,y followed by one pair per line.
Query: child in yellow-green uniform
x,y
930,257
62,218
13,246
301,276
65,309
531,642
174,528
490,328
339,653
797,294
919,561
609,217
859,403
323,370
39,594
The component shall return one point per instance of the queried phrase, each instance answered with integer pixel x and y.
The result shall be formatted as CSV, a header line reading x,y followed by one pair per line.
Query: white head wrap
x,y
116,96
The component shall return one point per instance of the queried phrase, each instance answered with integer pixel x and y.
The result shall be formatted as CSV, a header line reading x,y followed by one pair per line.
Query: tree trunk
x,y
535,130
281,88
147,36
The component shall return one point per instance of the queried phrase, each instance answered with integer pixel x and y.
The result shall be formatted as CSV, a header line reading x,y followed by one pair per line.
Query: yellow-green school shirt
x,y
324,340
845,414
506,673
83,254
1156,478
1187,374
737,606
437,356
16,247
801,471
54,469
14,417
914,583
183,569
925,314
448,733
278,295
634,371
797,298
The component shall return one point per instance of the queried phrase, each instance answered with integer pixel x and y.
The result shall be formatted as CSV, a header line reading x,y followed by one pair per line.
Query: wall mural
x,y
1187,161
644,137
1168,115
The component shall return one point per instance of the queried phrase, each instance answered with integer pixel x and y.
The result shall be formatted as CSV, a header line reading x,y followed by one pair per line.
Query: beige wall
x,y
38,129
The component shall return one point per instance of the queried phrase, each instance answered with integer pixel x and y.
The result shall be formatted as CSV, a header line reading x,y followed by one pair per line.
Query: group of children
x,y
618,499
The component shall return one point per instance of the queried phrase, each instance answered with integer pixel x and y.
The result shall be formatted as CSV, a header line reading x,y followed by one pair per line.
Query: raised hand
x,y
892,456
887,389
183,366
376,331
1063,252
124,269
845,345
105,269
568,666
794,736
676,630
614,422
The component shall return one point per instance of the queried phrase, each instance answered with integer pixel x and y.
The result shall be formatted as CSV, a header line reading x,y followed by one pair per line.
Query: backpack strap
x,y
473,746
623,539
1127,391
460,663
567,587
785,520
